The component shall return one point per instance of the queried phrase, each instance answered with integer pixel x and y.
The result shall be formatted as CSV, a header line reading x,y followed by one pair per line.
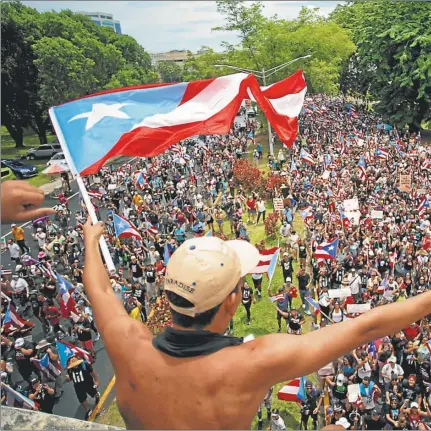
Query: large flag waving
x,y
266,257
327,250
67,303
146,120
124,228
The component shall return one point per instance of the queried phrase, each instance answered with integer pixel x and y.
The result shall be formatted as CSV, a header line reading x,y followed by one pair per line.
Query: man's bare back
x,y
222,389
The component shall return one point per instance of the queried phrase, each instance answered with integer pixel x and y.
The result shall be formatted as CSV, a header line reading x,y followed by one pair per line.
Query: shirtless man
x,y
187,378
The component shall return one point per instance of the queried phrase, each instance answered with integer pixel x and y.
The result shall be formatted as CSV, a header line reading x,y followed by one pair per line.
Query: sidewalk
x,y
49,188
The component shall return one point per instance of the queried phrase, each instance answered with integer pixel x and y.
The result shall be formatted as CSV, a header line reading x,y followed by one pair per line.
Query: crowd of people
x,y
342,152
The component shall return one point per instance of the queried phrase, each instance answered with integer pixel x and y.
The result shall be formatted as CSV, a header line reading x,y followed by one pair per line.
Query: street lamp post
x,y
263,74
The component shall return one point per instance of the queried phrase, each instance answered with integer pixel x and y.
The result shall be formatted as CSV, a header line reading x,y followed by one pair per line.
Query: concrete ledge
x,y
13,418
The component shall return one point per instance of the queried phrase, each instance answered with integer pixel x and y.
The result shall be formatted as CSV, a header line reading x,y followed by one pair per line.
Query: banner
x,y
112,186
340,293
351,204
406,182
358,308
278,204
376,214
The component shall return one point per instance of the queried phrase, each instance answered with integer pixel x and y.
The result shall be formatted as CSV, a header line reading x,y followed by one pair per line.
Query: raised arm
x,y
282,357
117,329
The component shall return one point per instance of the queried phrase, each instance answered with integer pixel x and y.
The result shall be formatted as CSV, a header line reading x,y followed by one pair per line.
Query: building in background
x,y
177,56
104,19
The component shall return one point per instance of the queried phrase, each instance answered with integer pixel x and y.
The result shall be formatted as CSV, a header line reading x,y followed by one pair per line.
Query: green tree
x,y
392,64
18,73
65,73
170,71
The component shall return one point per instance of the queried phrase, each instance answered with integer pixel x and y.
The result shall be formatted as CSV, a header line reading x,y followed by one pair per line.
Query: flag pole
x,y
102,241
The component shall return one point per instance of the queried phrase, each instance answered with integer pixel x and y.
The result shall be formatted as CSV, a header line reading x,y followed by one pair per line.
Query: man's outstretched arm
x,y
283,357
114,324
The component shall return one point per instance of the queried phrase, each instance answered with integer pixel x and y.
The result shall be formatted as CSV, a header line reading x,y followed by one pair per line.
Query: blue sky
x,y
165,25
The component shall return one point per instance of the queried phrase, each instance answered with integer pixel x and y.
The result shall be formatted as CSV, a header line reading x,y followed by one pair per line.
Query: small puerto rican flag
x,y
307,157
124,228
382,154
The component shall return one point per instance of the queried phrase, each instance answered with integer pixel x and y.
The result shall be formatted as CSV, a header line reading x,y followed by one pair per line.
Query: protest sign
x,y
405,182
326,174
358,308
278,204
353,216
351,204
354,393
339,293
112,186
376,214
97,180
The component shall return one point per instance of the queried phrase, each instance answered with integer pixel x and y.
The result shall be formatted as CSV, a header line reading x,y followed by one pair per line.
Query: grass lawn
x,y
263,321
8,151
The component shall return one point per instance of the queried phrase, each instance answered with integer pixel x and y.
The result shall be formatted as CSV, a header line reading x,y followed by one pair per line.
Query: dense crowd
x,y
342,152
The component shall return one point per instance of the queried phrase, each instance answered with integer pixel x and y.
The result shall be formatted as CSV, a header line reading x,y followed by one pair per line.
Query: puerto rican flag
x,y
141,181
327,250
423,206
307,157
95,194
381,154
426,165
265,260
6,272
19,397
393,258
67,303
67,350
124,228
361,168
51,369
294,391
314,304
15,319
146,120
177,149
307,215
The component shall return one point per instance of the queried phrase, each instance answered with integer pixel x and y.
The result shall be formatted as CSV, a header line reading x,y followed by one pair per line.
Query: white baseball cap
x,y
344,423
205,271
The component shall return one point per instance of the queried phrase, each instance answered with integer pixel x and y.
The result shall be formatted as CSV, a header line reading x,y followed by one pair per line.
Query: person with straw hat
x,y
194,359
85,381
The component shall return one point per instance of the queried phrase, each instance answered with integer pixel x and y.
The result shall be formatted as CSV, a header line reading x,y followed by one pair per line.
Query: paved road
x,y
68,404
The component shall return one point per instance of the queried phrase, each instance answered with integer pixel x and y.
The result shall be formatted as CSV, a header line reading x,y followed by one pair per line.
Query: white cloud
x,y
165,25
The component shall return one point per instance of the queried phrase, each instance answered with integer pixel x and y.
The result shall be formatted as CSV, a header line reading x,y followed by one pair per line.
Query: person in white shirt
x,y
74,235
354,280
261,210
14,250
19,285
390,369
153,254
285,229
277,423
40,237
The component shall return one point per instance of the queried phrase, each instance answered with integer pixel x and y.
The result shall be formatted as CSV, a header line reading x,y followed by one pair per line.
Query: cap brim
x,y
248,255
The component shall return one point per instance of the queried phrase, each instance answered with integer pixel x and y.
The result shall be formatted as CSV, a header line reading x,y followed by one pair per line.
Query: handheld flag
x,y
307,157
15,319
19,397
67,350
265,260
361,167
47,367
314,304
166,255
67,303
306,215
273,265
124,228
423,206
382,154
327,250
147,119
294,391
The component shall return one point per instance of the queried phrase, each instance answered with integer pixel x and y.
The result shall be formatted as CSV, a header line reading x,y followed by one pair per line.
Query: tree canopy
x,y
50,58
392,62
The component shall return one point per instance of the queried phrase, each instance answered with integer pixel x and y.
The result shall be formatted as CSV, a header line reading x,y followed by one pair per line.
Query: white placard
x,y
278,204
112,186
351,204
376,214
354,393
353,216
340,293
97,180
358,308
326,175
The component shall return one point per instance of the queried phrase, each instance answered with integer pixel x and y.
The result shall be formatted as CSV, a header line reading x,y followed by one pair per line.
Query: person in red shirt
x,y
53,315
251,209
412,332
